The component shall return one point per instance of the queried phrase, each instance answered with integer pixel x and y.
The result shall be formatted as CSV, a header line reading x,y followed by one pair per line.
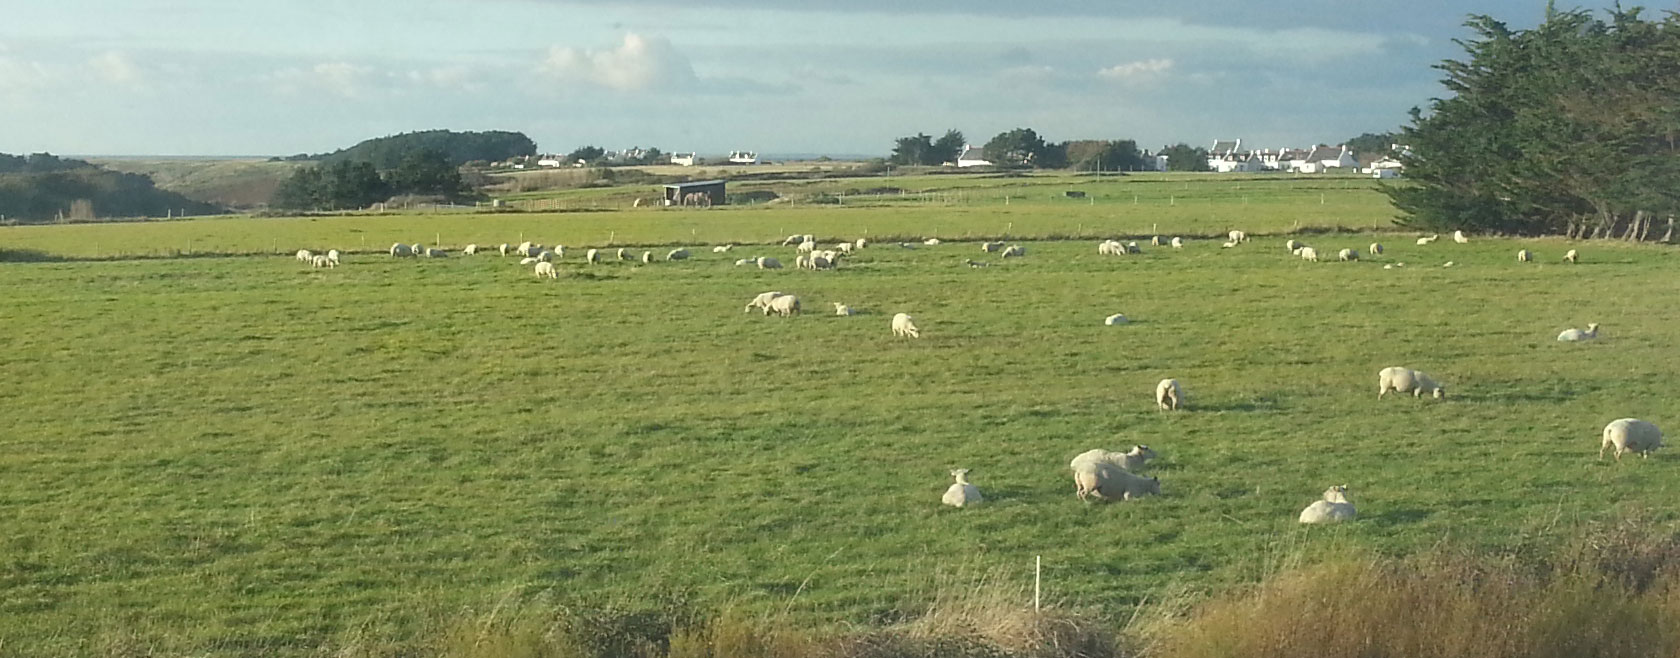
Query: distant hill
x,y
233,183
461,147
42,187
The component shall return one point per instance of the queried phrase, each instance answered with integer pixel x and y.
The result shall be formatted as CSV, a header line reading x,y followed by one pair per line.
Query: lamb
x,y
1131,461
545,268
1309,253
905,326
1375,249
470,250
1428,240
801,262
677,254
842,309
1108,481
1524,255
593,256
722,248
332,255
931,242
1630,435
762,301
1015,251
1335,507
559,251
990,247
1348,255
647,257
783,305
768,263
322,261
1406,380
304,256
400,250
1574,335
1178,243
503,248
1168,395
1237,236
1117,318
1458,236
1571,257
962,493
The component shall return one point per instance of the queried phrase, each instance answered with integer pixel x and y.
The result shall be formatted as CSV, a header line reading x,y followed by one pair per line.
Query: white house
x,y
1227,156
1324,158
684,159
743,157
1156,162
555,161
972,157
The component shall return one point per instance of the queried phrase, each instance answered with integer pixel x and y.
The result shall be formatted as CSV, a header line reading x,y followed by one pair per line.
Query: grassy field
x,y
227,456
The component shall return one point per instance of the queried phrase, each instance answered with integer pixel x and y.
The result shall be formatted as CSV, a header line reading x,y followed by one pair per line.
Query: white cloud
x,y
18,73
335,78
445,76
635,64
1146,68
117,68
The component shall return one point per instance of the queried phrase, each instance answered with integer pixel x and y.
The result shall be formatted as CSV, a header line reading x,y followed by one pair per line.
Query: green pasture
x,y
243,455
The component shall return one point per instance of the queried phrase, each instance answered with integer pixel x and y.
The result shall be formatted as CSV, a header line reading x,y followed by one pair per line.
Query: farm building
x,y
972,157
683,159
712,190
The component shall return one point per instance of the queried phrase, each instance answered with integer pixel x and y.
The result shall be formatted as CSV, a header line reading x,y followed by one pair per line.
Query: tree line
x,y
1571,128
351,184
457,147
42,187
1025,148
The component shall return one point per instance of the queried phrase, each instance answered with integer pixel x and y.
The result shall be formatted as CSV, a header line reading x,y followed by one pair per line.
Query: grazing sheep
x,y
1168,395
304,256
807,247
962,493
1458,236
990,247
1131,461
1108,481
1335,507
1347,255
801,262
593,256
1429,239
931,242
545,268
861,243
647,257
1227,245
762,301
436,253
768,263
792,239
1155,241
844,248
400,250
1524,255
1571,257
559,251
1237,236
830,254
1309,253
1178,243
418,250
783,305
1292,245
722,248
1117,318
1406,380
1573,335
1630,435
322,261
842,309
545,255
1375,249
821,263
529,260
1015,251
905,326
470,250
1132,248
1110,248
677,254
503,248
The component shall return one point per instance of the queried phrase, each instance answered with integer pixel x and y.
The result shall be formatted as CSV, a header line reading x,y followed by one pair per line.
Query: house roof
x,y
698,183
1320,153
1221,147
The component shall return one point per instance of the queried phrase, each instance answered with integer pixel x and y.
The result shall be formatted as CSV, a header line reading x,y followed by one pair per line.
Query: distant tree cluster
x,y
346,184
1099,155
1184,157
43,187
920,149
1571,127
458,148
1021,147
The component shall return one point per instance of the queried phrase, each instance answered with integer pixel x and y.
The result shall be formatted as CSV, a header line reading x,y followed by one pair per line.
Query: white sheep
x,y
623,255
526,247
1155,241
1110,248
470,250
931,242
1178,243
962,493
503,248
1334,508
1406,380
400,250
861,242
1292,245
745,261
1458,236
905,326
647,257
1108,481
842,309
768,263
1630,435
1447,264
761,301
1429,239
436,253
1117,318
1375,249
677,254
1571,256
807,247
821,263
304,256
559,251
1227,245
593,256
990,247
1524,255
783,305
1169,395
1348,255
545,268
1309,253
844,248
1573,335
545,256
801,262
1237,236
528,260
322,261
332,255
417,249
1131,461
1132,248
792,239
722,248
830,254
1015,251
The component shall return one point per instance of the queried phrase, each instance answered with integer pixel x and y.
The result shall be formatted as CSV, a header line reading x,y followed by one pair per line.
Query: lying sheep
x,y
322,261
400,250
783,305
990,247
1227,245
1571,256
1428,240
1375,249
1406,380
1309,254
962,493
1524,255
545,268
677,254
1573,335
931,242
1132,461
470,250
975,263
1334,508
436,253
1458,236
1178,243
1117,318
905,326
1630,435
1168,395
745,261
768,263
593,256
304,256
842,309
1015,251
1108,481
528,261
761,301
1347,255
722,248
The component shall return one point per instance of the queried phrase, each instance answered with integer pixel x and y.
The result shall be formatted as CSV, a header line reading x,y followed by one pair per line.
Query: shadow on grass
x,y
28,256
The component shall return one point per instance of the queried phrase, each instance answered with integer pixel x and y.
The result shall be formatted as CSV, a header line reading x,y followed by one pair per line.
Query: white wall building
x,y
683,159
972,156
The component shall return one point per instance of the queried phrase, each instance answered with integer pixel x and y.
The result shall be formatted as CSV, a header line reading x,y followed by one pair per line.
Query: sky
x,y
203,77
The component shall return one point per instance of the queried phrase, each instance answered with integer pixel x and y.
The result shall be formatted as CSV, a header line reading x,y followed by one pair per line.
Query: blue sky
x,y
195,77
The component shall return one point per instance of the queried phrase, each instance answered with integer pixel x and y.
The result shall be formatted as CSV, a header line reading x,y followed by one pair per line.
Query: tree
x,y
427,172
1015,148
913,150
1099,155
1184,157
352,185
947,148
588,154
299,191
461,147
1373,144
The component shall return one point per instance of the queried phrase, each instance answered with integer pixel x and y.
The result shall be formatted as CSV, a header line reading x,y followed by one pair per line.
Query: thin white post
x,y
1172,200
1038,572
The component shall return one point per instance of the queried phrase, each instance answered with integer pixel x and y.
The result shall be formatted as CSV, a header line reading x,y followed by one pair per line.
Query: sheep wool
x,y
1406,380
762,301
1524,255
1574,335
400,250
304,256
545,268
1108,481
1116,319
1375,249
1168,395
1347,255
768,263
842,309
1571,257
961,493
904,326
1630,435
783,305
1334,508
1178,243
